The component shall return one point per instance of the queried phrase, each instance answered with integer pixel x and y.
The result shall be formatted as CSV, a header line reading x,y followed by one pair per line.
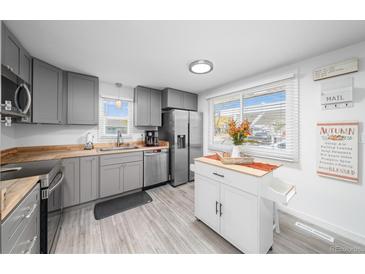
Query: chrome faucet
x,y
119,138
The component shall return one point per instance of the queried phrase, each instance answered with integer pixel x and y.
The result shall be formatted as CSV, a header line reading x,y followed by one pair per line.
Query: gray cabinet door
x,y
133,176
25,66
142,104
89,178
71,186
190,101
11,53
175,99
155,108
83,99
111,180
47,93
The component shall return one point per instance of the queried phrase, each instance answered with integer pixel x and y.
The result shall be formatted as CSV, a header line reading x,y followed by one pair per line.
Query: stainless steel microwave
x,y
16,98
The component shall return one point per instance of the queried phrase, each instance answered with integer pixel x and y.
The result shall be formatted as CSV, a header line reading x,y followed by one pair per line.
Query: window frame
x,y
291,118
102,118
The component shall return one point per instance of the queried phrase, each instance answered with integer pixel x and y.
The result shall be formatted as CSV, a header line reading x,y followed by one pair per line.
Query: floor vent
x,y
316,232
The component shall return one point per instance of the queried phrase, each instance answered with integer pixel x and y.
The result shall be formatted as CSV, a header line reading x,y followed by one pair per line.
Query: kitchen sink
x,y
118,148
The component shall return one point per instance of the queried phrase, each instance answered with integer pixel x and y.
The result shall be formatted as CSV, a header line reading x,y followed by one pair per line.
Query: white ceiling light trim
x,y
201,67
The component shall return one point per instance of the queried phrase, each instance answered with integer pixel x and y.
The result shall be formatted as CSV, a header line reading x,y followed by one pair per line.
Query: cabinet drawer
x,y
121,158
15,223
241,181
28,242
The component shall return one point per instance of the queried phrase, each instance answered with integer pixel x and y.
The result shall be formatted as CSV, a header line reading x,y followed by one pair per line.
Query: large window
x,y
115,115
271,109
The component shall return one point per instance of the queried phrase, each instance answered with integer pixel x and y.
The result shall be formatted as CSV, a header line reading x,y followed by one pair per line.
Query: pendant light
x,y
118,103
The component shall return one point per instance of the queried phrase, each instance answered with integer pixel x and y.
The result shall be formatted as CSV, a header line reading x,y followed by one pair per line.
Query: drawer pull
x,y
217,174
216,207
31,211
220,209
31,245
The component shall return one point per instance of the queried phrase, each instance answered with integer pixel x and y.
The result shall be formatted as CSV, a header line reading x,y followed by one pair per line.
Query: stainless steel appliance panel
x,y
195,139
156,167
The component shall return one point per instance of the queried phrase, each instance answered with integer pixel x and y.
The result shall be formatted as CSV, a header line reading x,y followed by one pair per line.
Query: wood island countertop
x,y
40,153
14,191
237,168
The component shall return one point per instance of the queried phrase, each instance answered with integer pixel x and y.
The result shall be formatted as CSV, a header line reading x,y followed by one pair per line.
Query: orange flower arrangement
x,y
239,133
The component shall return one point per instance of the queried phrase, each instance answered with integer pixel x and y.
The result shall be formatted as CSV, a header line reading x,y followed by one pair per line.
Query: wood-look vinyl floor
x,y
168,225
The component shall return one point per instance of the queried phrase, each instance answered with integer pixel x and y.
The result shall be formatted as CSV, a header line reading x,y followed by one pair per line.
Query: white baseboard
x,y
328,226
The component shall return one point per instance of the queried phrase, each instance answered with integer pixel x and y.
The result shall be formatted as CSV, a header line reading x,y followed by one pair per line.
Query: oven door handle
x,y
58,183
29,98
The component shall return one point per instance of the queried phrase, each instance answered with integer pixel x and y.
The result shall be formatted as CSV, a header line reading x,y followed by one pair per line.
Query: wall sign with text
x,y
338,150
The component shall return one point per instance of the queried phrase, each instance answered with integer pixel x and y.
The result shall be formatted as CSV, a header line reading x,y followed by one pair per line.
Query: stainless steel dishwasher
x,y
156,167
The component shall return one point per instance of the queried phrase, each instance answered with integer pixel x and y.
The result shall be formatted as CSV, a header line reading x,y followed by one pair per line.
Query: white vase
x,y
236,151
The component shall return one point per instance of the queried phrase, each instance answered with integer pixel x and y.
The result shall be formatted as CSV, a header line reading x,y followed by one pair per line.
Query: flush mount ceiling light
x,y
201,67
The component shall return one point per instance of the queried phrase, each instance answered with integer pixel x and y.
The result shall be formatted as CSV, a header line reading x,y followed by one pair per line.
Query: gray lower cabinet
x,y
111,180
133,176
147,106
177,99
20,231
82,99
71,186
47,93
89,179
120,173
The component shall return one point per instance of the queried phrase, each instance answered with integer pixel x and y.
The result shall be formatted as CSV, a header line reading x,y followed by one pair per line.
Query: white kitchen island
x,y
237,202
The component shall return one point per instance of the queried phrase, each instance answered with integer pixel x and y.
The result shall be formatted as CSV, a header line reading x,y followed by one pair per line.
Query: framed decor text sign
x,y
338,150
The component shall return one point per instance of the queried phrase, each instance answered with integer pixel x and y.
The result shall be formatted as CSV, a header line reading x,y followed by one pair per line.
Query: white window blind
x,y
272,110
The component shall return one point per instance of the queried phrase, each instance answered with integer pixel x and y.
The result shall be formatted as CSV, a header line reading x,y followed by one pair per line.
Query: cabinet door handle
x,y
31,211
220,209
217,174
216,207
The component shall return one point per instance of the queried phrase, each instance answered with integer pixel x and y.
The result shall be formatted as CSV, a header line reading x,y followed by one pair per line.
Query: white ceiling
x,y
157,53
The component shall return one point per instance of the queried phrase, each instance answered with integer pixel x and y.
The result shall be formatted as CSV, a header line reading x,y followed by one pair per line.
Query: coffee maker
x,y
151,138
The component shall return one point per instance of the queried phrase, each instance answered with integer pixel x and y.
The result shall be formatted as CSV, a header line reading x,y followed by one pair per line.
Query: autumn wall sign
x,y
338,150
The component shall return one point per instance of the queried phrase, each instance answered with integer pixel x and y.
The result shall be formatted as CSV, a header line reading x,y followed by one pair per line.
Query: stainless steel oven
x,y
51,176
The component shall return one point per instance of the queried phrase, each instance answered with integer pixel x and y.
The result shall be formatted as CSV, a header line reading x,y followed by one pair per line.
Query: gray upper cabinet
x,y
190,101
25,66
14,57
155,108
147,107
71,186
142,106
11,51
177,99
47,93
82,99
89,179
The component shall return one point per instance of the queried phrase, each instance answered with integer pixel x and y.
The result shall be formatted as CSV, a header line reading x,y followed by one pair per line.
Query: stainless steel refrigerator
x,y
184,131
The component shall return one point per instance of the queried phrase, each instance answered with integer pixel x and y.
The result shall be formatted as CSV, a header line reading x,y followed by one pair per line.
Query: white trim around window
x,y
286,145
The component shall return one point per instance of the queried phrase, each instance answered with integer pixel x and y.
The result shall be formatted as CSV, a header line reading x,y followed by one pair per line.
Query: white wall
x,y
336,205
34,135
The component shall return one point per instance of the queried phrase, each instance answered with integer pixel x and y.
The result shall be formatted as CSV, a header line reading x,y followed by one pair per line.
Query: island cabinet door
x,y
239,218
207,201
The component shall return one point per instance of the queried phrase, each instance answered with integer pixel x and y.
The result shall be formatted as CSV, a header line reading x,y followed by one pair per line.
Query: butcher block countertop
x,y
238,168
39,153
13,192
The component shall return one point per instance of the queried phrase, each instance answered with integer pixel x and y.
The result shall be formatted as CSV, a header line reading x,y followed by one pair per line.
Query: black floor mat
x,y
114,206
